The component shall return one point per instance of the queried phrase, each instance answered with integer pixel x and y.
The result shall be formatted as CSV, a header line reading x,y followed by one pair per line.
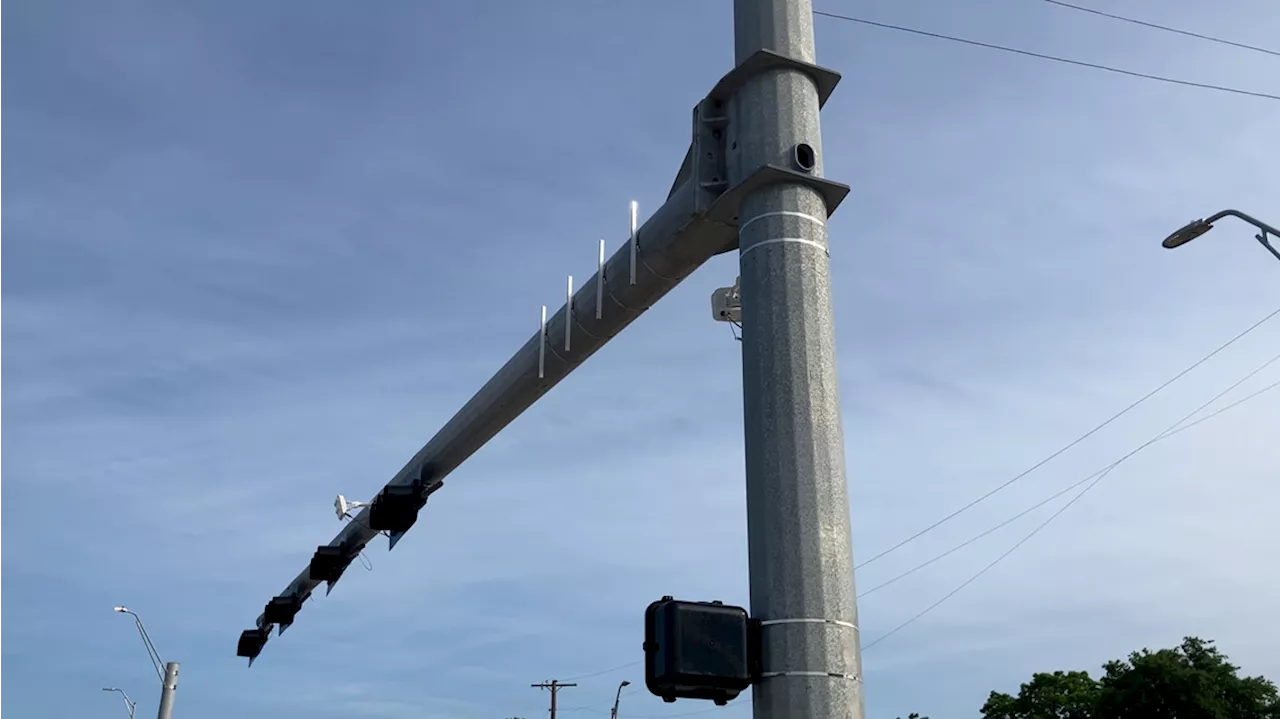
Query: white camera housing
x,y
342,507
726,303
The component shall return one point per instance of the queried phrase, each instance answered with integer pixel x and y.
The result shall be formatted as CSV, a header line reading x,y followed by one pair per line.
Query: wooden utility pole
x,y
555,687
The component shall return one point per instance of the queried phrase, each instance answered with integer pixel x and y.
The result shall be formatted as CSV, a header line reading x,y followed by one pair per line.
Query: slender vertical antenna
x,y
542,345
635,240
600,284
568,313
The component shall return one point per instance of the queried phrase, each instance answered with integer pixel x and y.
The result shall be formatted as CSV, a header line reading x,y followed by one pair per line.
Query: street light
x,y
168,672
129,704
617,698
146,641
1196,228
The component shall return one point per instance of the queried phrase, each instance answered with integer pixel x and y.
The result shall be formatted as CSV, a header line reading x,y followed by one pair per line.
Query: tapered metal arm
x,y
670,245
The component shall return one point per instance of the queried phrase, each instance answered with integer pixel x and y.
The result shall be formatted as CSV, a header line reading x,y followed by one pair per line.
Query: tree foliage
x,y
1191,681
1060,695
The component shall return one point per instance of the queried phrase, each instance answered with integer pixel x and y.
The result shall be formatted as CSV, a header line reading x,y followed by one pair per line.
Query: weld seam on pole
x,y
654,272
583,329
615,300
557,354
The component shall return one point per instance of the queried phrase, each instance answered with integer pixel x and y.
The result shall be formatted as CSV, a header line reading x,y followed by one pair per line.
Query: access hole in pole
x,y
804,157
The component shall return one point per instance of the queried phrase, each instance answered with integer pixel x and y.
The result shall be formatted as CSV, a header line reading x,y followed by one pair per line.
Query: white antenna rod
x,y
542,345
635,240
568,313
600,284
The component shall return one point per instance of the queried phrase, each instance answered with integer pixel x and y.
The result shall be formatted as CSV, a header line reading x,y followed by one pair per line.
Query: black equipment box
x,y
696,650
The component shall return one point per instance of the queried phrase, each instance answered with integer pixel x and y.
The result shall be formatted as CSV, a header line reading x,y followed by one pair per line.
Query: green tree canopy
x,y
1191,681
1060,695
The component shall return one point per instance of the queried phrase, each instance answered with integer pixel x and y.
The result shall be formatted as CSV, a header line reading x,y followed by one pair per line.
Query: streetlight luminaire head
x,y
1186,234
122,610
626,683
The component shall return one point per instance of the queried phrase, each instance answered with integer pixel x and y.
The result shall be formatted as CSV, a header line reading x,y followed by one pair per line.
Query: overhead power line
x,y
605,671
1102,475
1096,476
1165,28
1054,58
985,569
1068,446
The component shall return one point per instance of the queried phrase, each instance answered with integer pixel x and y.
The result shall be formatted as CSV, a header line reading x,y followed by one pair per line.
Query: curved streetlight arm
x,y
618,697
151,649
129,704
1194,229
1238,214
146,641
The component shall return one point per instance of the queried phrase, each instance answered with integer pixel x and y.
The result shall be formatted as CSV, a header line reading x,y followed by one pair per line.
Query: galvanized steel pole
x,y
168,691
801,558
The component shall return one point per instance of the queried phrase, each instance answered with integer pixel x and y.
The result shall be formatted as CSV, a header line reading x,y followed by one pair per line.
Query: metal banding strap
x,y
837,622
797,240
782,213
833,675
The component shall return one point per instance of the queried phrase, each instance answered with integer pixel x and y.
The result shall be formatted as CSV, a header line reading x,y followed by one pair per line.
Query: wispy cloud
x,y
257,256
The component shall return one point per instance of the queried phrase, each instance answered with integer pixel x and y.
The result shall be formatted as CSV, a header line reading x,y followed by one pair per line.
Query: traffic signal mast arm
x,y
697,221
672,244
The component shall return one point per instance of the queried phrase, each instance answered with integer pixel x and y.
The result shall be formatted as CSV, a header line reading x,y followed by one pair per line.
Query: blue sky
x,y
256,253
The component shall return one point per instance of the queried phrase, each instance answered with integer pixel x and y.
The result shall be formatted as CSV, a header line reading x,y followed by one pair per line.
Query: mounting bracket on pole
x,y
712,154
568,313
635,239
542,345
600,284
